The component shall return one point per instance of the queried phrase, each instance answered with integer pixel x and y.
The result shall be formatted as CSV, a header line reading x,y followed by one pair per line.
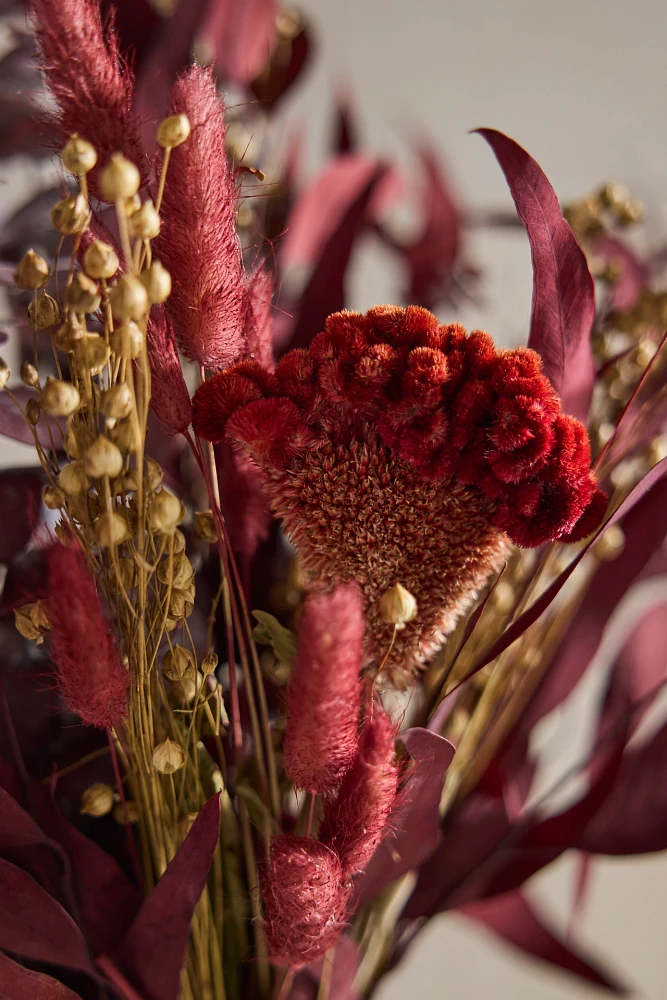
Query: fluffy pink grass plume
x,y
91,84
304,900
259,330
198,244
324,694
91,676
355,821
170,399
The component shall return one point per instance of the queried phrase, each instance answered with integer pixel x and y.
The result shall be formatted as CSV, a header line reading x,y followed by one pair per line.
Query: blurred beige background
x,y
582,84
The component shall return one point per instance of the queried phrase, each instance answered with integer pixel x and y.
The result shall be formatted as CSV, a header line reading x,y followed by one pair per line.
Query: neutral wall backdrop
x,y
582,84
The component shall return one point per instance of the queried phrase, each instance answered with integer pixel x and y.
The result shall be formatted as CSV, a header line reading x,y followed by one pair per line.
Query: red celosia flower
x,y
324,694
396,449
91,85
198,244
170,399
91,676
304,900
356,820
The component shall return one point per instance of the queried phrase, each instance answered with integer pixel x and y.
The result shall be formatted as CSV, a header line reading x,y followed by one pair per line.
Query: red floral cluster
x,y
393,437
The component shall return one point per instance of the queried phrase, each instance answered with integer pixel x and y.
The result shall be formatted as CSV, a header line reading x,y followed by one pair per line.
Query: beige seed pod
x,y
182,602
157,282
73,480
173,131
119,179
144,224
63,532
178,663
168,757
117,401
71,216
78,156
60,399
110,529
29,375
53,498
97,800
103,458
93,352
657,450
165,511
100,260
128,299
33,411
126,813
209,663
398,606
179,541
126,435
152,475
132,205
179,573
39,612
5,372
186,690
32,272
25,626
127,341
205,526
82,294
611,544
69,333
43,312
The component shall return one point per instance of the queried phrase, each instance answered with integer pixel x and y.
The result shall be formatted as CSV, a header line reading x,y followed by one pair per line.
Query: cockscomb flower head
x,y
399,450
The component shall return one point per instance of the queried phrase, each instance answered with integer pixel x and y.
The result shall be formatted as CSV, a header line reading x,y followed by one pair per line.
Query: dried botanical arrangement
x,y
296,591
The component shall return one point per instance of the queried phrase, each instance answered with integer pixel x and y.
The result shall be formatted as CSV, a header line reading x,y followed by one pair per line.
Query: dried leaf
x,y
20,506
283,68
563,306
415,819
513,919
633,274
34,925
241,36
153,951
269,632
18,983
23,843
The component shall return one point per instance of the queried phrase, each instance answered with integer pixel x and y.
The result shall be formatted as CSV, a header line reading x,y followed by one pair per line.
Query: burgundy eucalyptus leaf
x,y
345,133
34,925
20,505
563,306
641,666
287,62
632,274
415,819
345,959
14,425
17,983
23,843
325,292
107,902
241,36
531,614
513,919
152,952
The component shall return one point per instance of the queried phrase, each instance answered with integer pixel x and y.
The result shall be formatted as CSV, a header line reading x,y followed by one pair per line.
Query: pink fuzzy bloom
x,y
170,399
324,694
91,676
198,244
355,821
304,900
260,317
90,83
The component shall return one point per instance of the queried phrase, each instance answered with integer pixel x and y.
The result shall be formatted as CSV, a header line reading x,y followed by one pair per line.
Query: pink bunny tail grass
x,y
304,900
91,676
198,244
355,821
259,331
244,505
170,399
90,83
324,694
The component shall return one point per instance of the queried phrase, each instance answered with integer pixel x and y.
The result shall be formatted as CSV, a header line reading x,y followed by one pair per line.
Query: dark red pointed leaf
x,y
633,274
17,983
241,36
20,505
287,62
26,845
34,925
153,951
513,919
325,291
415,820
345,959
107,902
563,306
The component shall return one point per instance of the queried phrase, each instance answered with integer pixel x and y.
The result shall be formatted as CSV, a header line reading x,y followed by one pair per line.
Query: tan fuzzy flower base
x,y
359,513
